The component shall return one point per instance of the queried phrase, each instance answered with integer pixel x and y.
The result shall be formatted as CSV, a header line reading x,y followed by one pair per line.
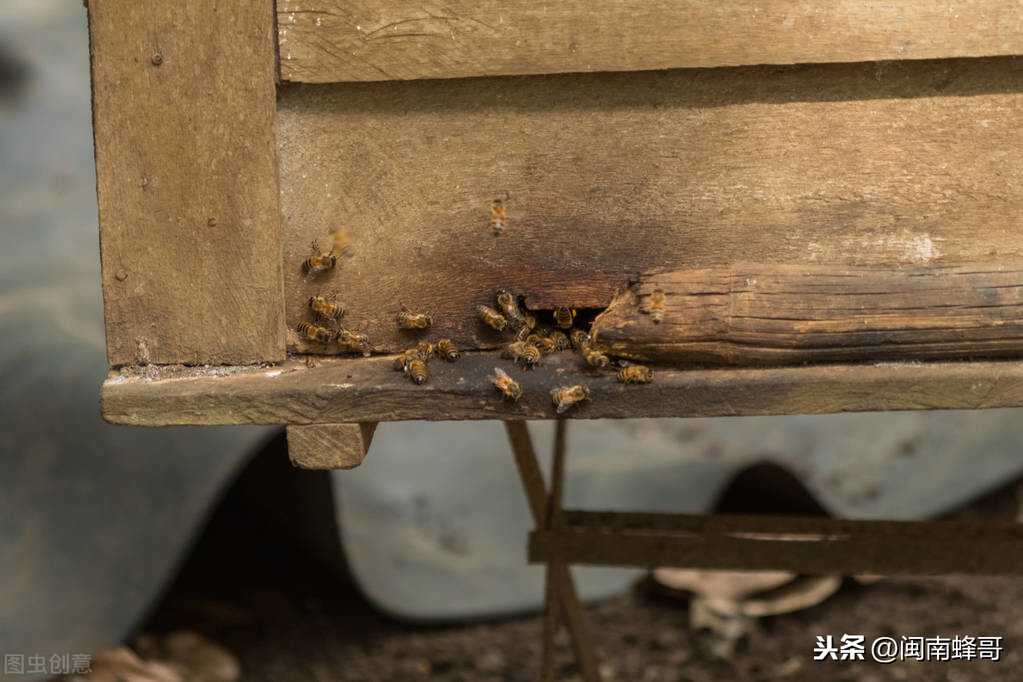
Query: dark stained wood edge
x,y
367,389
903,554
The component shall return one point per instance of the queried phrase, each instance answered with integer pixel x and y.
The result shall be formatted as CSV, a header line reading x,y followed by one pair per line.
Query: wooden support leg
x,y
329,446
561,592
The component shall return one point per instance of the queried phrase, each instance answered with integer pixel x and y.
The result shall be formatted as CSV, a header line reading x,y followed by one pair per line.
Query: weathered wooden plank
x,y
785,314
795,526
609,175
859,553
329,446
358,390
186,169
324,41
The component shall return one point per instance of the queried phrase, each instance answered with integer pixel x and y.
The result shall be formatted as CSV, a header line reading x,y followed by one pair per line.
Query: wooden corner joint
x,y
329,446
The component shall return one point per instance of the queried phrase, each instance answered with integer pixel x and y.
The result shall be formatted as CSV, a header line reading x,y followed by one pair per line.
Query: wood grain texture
x,y
825,555
752,314
329,446
323,41
358,390
186,168
610,175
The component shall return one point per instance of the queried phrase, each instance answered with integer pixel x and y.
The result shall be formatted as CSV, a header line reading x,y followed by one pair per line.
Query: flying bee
x,y
326,309
559,339
416,371
424,350
635,374
319,262
564,316
567,396
352,342
657,306
410,320
447,350
508,387
313,332
498,216
339,240
594,357
510,307
401,362
491,317
579,338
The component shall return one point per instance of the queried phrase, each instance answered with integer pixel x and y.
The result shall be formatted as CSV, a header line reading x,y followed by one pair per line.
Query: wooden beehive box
x,y
805,149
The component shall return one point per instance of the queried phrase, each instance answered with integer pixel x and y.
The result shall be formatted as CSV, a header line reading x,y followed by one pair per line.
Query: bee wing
x,y
500,373
563,405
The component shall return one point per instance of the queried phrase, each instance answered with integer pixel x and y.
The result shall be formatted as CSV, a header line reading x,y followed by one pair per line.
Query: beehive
x,y
629,141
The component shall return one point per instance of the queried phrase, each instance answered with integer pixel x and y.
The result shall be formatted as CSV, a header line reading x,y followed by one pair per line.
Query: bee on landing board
x,y
352,342
409,320
635,374
312,332
657,306
326,309
498,216
560,340
594,357
447,350
508,387
564,316
425,350
319,262
491,317
401,362
566,396
545,344
523,353
579,338
416,371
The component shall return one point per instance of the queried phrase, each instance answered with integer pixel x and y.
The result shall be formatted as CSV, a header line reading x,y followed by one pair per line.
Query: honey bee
x,y
425,350
530,321
657,306
564,316
523,353
498,216
635,374
579,338
567,396
312,332
402,360
352,342
318,262
560,340
545,344
594,357
326,309
309,362
508,387
523,333
447,350
416,371
510,307
341,245
491,317
410,320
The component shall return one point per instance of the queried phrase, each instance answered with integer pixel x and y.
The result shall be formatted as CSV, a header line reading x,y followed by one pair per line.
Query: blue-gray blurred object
x,y
94,518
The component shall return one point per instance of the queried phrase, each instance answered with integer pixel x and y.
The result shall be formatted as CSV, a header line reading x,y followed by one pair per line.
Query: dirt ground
x,y
288,618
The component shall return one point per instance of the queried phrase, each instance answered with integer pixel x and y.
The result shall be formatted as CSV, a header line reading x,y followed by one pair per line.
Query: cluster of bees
x,y
531,342
413,361
327,312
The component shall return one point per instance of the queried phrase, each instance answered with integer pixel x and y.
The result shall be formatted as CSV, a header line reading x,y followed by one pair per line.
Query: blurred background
x,y
212,559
